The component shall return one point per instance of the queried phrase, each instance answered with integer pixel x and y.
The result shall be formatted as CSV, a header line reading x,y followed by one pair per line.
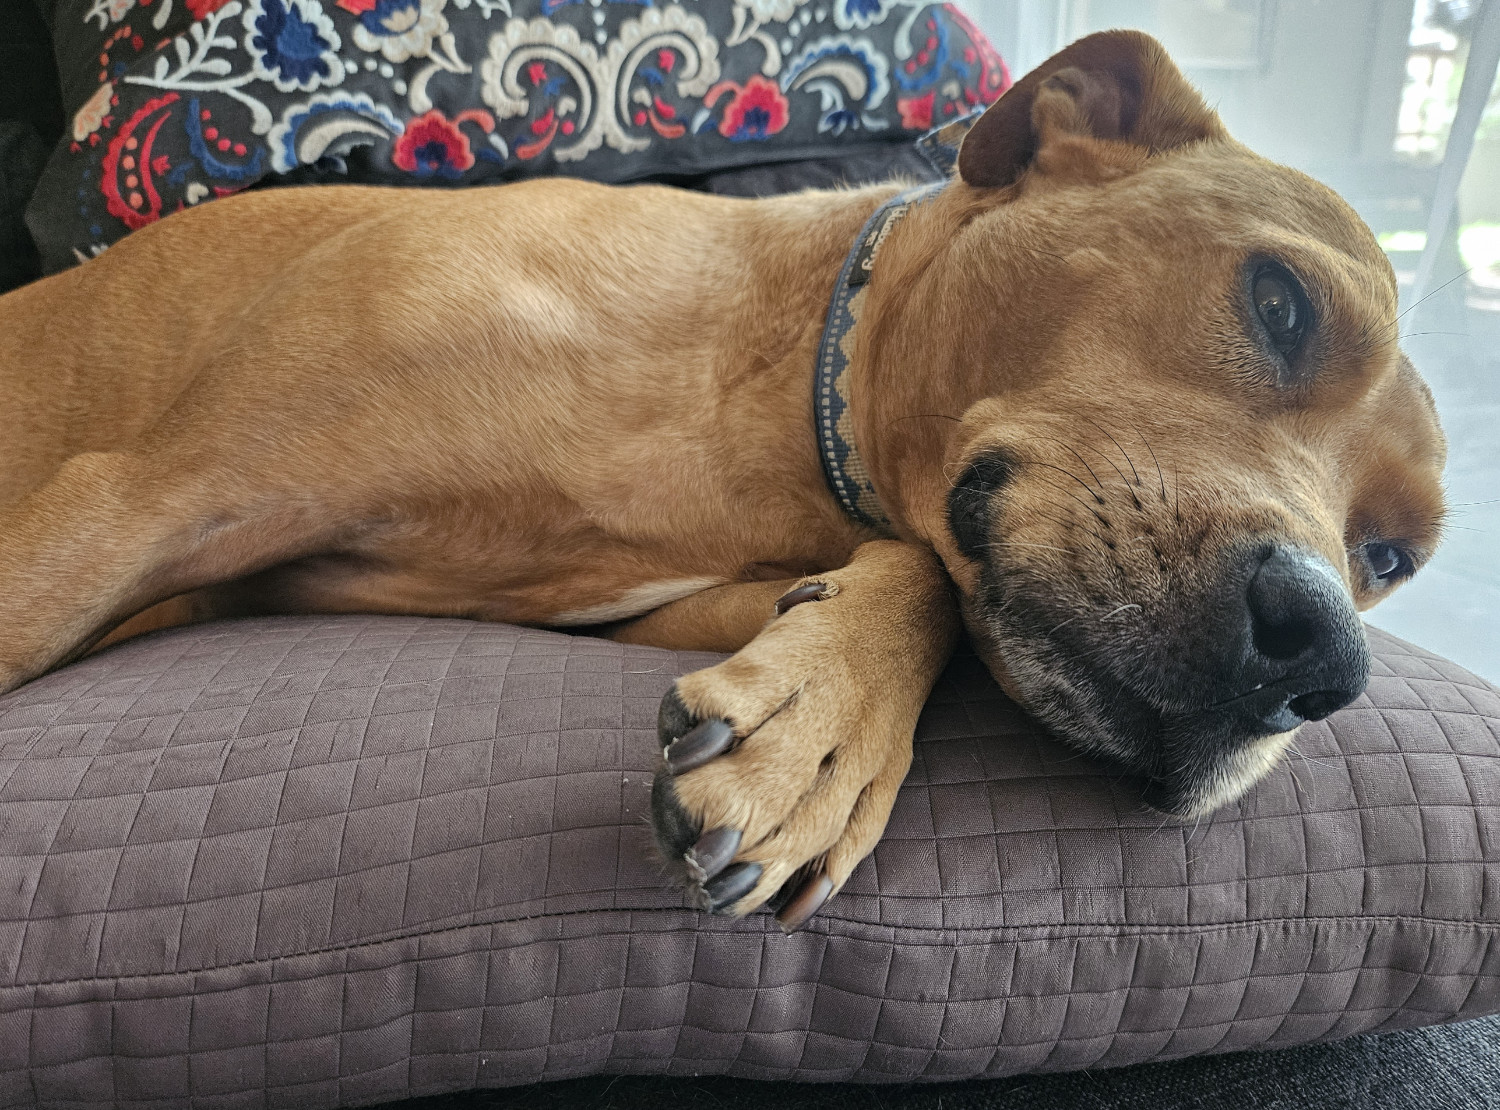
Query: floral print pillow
x,y
176,102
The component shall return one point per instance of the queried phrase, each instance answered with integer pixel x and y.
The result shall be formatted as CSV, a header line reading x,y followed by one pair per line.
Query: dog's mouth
x,y
1186,761
1163,691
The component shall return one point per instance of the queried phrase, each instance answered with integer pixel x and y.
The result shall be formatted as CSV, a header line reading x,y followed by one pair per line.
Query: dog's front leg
x,y
781,763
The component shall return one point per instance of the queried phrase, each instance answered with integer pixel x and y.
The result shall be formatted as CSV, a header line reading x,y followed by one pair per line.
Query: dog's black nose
x,y
1305,639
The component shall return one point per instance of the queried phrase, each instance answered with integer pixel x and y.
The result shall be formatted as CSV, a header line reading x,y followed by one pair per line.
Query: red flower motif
x,y
203,8
916,111
536,72
757,111
434,144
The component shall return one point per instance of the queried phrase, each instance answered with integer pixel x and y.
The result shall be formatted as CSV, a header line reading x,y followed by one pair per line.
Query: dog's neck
x,y
927,349
843,465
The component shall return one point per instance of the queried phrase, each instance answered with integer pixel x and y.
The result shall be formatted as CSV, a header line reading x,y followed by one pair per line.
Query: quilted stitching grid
x,y
328,861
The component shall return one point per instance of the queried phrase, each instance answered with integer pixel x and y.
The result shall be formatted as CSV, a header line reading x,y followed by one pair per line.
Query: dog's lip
x,y
1244,695
1117,706
1121,721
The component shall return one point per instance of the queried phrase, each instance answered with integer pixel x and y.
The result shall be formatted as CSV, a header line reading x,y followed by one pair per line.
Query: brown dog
x,y
1129,396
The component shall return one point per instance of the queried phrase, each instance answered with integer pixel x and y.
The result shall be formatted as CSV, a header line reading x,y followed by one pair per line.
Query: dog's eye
x,y
1281,306
1387,562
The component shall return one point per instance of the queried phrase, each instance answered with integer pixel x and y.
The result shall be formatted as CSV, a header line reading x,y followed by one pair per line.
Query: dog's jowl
x,y
1121,399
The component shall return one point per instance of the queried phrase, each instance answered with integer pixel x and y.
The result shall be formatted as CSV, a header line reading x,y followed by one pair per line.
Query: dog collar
x,y
843,466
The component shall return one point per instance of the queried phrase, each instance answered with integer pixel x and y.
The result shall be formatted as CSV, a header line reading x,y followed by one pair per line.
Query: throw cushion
x,y
175,102
332,861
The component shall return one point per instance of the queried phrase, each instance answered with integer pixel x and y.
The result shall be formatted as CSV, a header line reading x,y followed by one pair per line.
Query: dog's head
x,y
1189,447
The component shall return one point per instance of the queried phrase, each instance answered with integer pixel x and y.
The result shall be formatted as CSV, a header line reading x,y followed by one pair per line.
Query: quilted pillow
x,y
174,102
332,861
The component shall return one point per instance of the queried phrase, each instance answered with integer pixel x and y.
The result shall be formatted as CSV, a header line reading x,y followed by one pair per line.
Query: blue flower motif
x,y
849,14
391,17
293,44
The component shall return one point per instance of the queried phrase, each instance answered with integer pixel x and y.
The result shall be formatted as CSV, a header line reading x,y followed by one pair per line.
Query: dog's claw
x,y
711,854
732,885
702,742
813,591
673,718
808,900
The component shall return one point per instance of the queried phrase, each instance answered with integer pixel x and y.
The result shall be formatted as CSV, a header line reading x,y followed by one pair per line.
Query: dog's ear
x,y
1115,85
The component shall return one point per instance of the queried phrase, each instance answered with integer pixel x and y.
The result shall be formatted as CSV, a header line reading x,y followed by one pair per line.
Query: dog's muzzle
x,y
1206,694
1294,649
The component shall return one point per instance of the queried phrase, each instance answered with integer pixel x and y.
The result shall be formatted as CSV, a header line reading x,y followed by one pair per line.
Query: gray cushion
x,y
320,861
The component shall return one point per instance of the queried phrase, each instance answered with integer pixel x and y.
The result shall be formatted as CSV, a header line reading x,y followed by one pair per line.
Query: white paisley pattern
x,y
603,102
402,30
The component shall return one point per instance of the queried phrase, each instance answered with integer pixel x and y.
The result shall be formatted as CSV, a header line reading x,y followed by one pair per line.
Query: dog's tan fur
x,y
530,402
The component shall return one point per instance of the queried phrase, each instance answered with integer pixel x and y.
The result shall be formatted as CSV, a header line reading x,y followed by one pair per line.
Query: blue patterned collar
x,y
843,465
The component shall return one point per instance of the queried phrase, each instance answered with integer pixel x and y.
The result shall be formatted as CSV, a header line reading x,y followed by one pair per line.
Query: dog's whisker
x,y
1064,624
1069,493
1073,451
1160,477
1018,543
1087,467
1291,767
925,416
1311,789
1088,652
1059,521
1465,272
1122,451
1062,470
1298,752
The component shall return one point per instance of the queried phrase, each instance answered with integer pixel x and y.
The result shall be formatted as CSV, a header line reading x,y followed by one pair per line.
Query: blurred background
x,y
1394,104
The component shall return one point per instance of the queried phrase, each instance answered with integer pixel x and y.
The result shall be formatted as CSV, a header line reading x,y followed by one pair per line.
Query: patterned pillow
x,y
174,102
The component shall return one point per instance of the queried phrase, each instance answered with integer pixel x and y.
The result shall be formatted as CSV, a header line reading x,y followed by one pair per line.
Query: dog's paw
x,y
781,764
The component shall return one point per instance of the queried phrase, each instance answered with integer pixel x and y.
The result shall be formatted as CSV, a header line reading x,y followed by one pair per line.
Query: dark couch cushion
x,y
30,122
320,861
21,156
175,102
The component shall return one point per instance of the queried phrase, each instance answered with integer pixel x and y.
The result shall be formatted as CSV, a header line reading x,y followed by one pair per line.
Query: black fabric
x,y
28,76
859,167
21,158
1446,1067
30,122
